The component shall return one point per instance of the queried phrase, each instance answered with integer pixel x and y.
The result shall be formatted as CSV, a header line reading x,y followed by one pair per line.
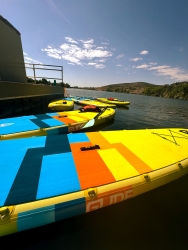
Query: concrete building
x,y
16,95
12,67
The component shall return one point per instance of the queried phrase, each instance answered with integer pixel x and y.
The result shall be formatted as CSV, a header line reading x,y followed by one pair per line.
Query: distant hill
x,y
178,90
131,88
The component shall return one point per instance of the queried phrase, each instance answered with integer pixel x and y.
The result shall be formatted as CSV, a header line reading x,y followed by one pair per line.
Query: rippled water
x,y
143,111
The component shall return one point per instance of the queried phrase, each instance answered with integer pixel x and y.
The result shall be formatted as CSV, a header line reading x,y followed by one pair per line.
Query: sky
x,y
102,42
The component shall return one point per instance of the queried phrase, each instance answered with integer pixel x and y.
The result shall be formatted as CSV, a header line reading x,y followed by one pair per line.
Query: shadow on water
x,y
123,107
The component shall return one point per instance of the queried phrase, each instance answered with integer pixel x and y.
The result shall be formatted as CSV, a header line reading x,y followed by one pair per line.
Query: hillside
x,y
130,88
178,90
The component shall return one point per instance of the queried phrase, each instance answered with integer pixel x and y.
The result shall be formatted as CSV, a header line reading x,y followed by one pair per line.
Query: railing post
x,y
34,73
62,73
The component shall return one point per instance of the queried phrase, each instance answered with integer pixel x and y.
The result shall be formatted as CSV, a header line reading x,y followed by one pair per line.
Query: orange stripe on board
x,y
91,169
66,120
134,160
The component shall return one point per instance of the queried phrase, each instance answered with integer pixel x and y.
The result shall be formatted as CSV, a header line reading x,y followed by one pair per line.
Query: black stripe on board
x,y
40,123
42,116
25,185
57,144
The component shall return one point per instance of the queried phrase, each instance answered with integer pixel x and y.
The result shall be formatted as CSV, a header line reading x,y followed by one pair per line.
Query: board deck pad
x,y
48,166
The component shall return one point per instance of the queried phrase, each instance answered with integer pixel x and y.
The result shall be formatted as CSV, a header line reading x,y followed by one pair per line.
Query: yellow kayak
x,y
50,178
96,103
61,105
113,101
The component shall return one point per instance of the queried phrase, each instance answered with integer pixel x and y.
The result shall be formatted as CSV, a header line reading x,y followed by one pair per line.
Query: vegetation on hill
x,y
178,90
130,88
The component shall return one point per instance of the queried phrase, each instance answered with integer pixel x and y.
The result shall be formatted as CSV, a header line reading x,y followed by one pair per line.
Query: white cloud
x,y
153,63
99,66
30,60
120,56
70,40
87,41
91,63
88,46
101,60
65,46
25,53
77,53
144,52
174,73
100,48
55,55
143,66
119,65
136,59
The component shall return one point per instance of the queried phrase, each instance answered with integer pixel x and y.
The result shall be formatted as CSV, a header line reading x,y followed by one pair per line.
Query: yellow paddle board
x,y
53,123
113,101
96,103
50,178
61,105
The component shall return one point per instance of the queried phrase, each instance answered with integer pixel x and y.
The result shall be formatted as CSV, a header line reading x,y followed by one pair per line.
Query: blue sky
x,y
101,42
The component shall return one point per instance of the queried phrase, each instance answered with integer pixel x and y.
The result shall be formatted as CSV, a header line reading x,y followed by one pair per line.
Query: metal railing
x,y
34,68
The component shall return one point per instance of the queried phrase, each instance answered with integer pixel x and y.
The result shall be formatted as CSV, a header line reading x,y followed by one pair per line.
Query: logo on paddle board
x,y
109,198
5,124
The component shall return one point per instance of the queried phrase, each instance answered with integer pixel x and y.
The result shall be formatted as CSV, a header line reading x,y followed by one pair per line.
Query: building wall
x,y
18,99
12,67
9,90
26,105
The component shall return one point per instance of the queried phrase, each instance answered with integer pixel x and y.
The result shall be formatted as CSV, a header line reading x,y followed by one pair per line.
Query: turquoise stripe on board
x,y
80,137
58,176
52,114
11,160
70,208
36,218
18,124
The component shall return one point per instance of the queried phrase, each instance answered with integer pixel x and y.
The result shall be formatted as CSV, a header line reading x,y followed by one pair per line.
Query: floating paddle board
x,y
52,123
61,105
50,178
95,103
114,101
